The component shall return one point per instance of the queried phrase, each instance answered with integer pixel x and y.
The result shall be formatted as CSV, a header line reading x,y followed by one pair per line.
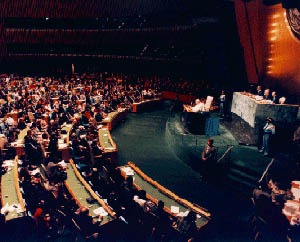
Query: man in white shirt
x,y
269,129
199,107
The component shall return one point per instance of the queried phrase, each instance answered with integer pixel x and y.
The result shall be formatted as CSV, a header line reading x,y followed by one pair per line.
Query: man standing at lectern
x,y
209,153
269,130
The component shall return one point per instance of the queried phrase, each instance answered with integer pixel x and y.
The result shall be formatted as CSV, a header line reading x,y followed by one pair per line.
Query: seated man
x,y
162,222
199,107
266,95
187,226
86,224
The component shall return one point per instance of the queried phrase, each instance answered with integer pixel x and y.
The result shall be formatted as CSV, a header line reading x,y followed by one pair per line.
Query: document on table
x,y
183,214
128,171
100,211
174,209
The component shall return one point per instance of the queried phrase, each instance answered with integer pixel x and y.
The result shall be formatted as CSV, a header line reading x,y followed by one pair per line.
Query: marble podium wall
x,y
255,113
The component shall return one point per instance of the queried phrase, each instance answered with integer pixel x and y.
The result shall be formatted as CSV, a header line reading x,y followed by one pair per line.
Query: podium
x,y
202,123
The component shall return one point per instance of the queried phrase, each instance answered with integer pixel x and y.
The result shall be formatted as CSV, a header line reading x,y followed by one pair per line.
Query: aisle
x,y
142,140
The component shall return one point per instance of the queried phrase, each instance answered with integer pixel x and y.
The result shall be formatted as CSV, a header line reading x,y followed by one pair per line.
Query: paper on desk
x,y
183,214
18,208
8,163
61,146
109,148
34,172
100,211
174,209
63,163
128,171
4,209
296,193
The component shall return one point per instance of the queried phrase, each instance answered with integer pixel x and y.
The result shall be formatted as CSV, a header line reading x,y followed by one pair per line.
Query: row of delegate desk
x,y
82,191
13,204
12,199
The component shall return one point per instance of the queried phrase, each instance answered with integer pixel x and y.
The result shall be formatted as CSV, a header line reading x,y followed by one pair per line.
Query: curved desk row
x,y
145,105
114,118
19,143
81,191
156,192
11,196
106,142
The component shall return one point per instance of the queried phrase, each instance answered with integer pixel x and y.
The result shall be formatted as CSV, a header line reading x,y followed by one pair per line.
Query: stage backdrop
x,y
270,37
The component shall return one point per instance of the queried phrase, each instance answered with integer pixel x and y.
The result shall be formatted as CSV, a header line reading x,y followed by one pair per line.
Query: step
x,y
240,182
243,175
247,170
238,189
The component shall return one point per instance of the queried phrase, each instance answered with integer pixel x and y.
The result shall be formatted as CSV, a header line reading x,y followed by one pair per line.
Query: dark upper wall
x,y
271,50
89,8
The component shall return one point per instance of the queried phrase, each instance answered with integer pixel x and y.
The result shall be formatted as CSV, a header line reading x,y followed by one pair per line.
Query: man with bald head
x,y
199,107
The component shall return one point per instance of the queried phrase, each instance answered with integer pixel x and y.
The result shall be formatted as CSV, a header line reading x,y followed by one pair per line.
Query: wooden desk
x,y
250,115
114,118
81,191
156,192
106,142
10,192
145,105
255,112
19,143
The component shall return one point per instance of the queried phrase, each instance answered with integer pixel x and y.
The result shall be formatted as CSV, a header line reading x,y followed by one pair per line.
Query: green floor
x,y
155,143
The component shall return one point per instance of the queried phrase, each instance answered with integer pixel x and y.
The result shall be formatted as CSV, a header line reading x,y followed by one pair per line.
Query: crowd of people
x,y
43,107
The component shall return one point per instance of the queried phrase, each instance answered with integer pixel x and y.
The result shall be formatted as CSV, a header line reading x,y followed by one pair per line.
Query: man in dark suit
x,y
274,98
266,95
259,91
209,153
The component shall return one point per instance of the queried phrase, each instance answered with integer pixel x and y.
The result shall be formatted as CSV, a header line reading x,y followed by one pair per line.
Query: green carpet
x,y
154,141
